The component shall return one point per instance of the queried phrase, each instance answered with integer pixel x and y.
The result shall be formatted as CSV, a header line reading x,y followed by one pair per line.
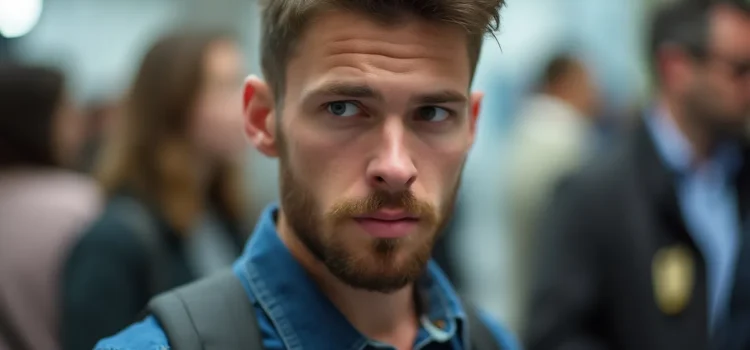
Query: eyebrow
x,y
354,90
347,90
440,97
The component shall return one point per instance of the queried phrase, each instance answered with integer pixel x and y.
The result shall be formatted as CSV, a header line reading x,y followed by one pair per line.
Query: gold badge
x,y
673,278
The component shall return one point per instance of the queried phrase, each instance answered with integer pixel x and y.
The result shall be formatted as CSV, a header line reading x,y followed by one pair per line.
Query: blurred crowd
x,y
623,233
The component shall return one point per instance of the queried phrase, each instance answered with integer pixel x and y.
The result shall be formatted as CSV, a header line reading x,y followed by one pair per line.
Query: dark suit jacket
x,y
595,285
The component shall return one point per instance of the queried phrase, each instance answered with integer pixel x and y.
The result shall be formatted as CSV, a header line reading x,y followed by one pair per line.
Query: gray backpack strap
x,y
211,314
480,335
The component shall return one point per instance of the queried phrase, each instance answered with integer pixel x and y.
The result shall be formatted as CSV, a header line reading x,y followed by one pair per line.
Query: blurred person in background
x,y
43,205
173,181
554,134
649,248
100,115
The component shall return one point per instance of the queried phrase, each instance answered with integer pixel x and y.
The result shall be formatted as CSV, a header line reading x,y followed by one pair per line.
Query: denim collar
x,y
678,154
303,315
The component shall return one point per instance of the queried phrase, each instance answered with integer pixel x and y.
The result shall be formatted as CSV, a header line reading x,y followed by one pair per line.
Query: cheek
x,y
719,92
218,130
737,92
329,166
439,164
449,170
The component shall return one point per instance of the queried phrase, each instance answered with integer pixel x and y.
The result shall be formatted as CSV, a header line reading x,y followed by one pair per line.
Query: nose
x,y
392,169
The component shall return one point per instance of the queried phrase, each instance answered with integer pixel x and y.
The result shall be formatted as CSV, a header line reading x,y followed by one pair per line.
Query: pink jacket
x,y
41,213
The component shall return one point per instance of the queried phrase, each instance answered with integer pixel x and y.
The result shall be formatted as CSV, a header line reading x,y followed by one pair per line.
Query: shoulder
x,y
121,217
609,165
61,197
107,237
73,191
601,180
110,237
55,183
144,335
504,337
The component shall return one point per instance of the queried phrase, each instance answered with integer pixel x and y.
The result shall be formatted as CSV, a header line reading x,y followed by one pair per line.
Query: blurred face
x,y
585,91
217,123
579,88
68,133
373,133
719,94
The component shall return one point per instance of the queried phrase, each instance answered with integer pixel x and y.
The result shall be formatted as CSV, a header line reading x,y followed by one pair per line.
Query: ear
x,y
260,123
475,108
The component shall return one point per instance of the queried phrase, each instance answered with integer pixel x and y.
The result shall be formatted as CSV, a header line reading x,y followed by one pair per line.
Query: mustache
x,y
404,200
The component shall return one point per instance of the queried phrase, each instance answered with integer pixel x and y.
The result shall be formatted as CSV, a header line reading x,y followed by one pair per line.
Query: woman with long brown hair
x,y
170,171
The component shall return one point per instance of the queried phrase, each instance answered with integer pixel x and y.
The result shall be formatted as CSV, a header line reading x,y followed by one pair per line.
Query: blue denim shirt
x,y
294,314
708,200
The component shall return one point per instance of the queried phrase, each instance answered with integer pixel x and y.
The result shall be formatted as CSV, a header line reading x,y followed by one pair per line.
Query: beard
x,y
372,264
704,106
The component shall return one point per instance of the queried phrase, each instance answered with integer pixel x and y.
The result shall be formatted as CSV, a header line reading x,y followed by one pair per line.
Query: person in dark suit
x,y
646,249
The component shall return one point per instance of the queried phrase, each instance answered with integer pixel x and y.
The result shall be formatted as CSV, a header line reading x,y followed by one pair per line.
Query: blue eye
x,y
343,109
433,114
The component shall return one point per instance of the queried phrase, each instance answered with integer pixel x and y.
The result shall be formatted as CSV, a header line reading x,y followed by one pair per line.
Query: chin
x,y
386,267
383,280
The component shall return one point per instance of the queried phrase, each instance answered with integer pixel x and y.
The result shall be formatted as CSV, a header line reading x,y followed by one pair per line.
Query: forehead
x,y
348,46
731,30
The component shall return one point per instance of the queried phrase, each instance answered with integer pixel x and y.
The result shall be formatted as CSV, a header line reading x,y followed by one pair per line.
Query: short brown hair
x,y
284,22
149,153
558,69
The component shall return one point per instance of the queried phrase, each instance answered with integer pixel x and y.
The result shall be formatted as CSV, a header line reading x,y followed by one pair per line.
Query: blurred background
x,y
99,44
597,48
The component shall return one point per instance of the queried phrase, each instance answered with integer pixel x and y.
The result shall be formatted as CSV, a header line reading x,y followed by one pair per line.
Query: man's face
x,y
373,133
720,92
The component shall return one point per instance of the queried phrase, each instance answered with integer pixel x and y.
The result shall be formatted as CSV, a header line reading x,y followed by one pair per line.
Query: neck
x,y
388,318
701,138
204,173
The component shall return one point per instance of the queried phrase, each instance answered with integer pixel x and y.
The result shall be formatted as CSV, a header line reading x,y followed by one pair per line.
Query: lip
x,y
388,223
388,215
